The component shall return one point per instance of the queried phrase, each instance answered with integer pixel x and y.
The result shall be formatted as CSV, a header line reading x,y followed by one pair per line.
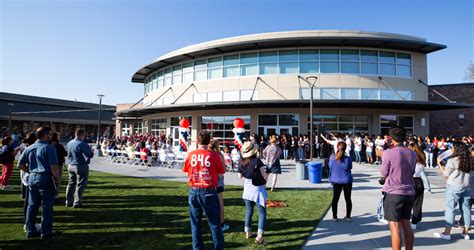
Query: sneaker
x,y
384,221
225,227
55,234
442,236
413,226
466,236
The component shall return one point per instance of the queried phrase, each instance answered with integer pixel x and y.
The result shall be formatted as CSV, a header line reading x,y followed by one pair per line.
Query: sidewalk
x,y
363,232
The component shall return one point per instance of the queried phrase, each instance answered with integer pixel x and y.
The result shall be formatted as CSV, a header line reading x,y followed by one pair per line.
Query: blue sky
x,y
76,49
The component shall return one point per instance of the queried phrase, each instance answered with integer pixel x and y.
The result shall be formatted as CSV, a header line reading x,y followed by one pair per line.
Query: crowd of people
x,y
41,162
402,162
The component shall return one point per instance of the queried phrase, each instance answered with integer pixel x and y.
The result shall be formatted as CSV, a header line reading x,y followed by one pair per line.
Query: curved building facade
x,y
363,82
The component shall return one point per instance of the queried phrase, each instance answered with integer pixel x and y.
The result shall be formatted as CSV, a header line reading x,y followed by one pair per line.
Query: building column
x,y
196,128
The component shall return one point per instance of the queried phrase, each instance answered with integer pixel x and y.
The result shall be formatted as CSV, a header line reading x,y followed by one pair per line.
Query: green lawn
x,y
136,213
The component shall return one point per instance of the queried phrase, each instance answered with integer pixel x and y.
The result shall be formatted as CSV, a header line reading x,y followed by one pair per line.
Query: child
x,y
227,158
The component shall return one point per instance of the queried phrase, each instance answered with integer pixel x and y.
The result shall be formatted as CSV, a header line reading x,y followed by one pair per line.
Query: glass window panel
x,y
249,58
368,56
388,121
270,120
200,64
386,57
268,68
403,70
349,67
214,62
214,97
369,68
246,94
231,71
231,60
200,75
369,94
177,79
361,127
168,72
288,56
405,121
329,54
346,118
214,73
188,77
330,127
269,56
231,96
288,68
353,94
309,67
388,94
329,93
361,118
387,69
177,70
346,127
248,70
329,67
306,93
174,121
406,95
188,67
199,97
287,120
403,58
349,55
329,118
309,55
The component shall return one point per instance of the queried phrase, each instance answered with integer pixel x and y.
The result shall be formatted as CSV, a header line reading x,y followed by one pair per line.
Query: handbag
x,y
257,178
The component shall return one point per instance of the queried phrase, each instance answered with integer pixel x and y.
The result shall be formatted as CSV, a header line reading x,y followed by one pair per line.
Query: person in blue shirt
x,y
79,154
340,177
40,161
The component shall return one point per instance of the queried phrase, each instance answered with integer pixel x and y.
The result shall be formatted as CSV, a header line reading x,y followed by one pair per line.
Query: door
x,y
269,131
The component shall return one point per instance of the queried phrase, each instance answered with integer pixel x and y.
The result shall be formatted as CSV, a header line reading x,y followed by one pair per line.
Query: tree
x,y
470,72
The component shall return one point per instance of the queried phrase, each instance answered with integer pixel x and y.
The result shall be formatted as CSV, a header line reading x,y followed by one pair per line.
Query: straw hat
x,y
249,149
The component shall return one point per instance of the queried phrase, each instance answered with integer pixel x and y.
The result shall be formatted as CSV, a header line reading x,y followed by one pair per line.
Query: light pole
x,y
10,106
98,124
311,85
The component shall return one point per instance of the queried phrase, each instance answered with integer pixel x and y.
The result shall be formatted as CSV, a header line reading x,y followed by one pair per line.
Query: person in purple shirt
x,y
398,167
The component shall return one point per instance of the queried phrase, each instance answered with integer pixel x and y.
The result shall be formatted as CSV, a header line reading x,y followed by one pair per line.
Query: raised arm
x,y
324,138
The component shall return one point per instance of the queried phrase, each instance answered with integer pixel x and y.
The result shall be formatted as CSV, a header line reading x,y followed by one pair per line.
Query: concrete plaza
x,y
363,232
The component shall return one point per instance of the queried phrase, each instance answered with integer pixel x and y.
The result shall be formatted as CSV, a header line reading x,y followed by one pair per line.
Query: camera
x,y
382,181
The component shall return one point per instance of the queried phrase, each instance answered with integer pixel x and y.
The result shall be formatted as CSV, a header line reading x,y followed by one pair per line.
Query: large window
x,y
356,94
270,124
158,126
340,123
389,121
304,61
221,127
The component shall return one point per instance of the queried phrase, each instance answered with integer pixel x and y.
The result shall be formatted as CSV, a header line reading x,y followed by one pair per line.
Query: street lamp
x,y
10,106
98,124
311,81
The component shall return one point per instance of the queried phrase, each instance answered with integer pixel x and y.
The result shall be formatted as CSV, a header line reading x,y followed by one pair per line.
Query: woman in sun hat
x,y
252,170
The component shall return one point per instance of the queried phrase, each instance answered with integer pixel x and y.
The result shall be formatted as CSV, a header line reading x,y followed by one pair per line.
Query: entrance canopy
x,y
353,104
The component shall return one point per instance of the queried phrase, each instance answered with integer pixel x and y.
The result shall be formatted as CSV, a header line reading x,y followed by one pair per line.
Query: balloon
x,y
184,123
238,123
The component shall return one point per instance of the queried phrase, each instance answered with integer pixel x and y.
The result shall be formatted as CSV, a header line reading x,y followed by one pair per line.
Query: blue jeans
x,y
262,216
300,153
357,155
285,154
205,200
426,182
455,195
380,208
41,192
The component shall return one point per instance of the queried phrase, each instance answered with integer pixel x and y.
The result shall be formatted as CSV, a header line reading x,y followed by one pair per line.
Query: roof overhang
x,y
299,39
352,104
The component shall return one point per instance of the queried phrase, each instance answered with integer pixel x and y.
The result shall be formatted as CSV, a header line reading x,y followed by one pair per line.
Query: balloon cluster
x,y
183,134
239,132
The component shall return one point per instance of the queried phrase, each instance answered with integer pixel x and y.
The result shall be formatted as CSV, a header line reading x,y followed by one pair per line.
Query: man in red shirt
x,y
203,168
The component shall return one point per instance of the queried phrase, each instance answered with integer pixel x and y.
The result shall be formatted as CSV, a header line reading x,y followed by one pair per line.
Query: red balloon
x,y
184,123
238,123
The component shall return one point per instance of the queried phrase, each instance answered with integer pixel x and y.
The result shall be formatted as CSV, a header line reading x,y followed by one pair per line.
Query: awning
x,y
352,104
